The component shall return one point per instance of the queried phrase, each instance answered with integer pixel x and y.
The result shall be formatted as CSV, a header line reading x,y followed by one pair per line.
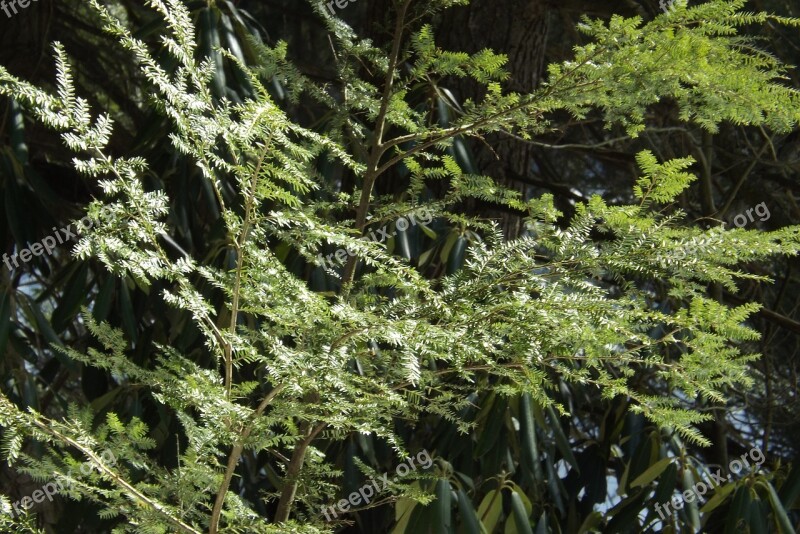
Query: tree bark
x,y
518,29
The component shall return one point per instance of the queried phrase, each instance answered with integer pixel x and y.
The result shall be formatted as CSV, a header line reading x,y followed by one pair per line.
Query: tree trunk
x,y
518,29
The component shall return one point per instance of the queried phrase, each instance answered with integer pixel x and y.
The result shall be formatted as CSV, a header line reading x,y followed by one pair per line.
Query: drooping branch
x,y
49,427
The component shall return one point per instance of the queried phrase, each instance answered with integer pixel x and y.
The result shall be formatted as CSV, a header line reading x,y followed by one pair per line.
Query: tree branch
x,y
48,427
233,460
295,466
376,146
239,246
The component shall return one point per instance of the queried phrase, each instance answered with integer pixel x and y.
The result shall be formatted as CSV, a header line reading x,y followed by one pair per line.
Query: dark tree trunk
x,y
518,29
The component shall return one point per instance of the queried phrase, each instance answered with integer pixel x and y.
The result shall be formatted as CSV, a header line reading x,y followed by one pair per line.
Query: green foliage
x,y
661,183
559,305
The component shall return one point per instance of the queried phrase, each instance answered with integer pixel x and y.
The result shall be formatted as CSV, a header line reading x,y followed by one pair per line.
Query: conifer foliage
x,y
290,369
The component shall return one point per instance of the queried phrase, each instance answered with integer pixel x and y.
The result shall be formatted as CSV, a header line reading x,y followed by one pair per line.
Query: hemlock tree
x,y
289,370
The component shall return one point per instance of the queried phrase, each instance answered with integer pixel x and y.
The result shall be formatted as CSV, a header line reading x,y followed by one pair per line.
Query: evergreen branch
x,y
239,244
48,427
233,459
293,470
376,149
